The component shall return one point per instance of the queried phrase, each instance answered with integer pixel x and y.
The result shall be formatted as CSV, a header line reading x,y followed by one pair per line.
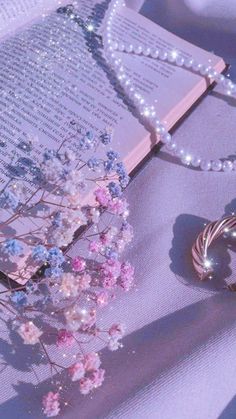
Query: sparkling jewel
x,y
175,57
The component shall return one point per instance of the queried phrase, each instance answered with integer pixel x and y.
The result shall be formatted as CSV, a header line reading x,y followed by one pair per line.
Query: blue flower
x,y
90,135
112,155
49,154
93,163
106,137
55,256
111,253
19,298
115,189
109,166
57,219
54,272
87,142
31,286
124,181
10,200
123,176
40,253
120,169
12,247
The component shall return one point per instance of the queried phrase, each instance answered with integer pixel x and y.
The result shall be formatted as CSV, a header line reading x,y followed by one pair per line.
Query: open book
x,y
50,77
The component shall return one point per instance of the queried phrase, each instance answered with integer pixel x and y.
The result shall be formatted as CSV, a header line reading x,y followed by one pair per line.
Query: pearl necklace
x,y
147,111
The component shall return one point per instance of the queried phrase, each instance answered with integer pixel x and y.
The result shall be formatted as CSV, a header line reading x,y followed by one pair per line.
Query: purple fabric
x,y
178,359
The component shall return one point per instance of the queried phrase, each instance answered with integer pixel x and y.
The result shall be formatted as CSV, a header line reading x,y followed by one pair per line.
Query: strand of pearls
x,y
148,111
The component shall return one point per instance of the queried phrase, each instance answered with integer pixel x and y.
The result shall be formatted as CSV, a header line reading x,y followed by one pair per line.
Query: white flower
x,y
70,155
95,215
84,281
80,318
29,333
114,344
62,237
52,169
69,285
70,188
18,188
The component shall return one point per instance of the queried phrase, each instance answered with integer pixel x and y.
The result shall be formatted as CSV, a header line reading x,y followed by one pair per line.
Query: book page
x,y
17,13
50,76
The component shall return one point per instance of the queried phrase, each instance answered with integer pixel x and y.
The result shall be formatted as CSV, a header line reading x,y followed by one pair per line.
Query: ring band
x,y
210,233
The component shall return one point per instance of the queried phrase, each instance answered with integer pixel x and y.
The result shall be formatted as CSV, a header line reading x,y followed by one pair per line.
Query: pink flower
x,y
84,282
117,330
111,268
94,247
78,264
108,282
110,271
86,385
126,283
127,276
107,237
102,299
127,269
29,333
103,196
51,406
127,233
77,371
91,361
104,239
64,338
118,206
98,377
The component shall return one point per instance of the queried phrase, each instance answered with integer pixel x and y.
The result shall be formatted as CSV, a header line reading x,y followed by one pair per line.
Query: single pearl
x,y
196,67
227,83
157,122
180,61
205,165
155,53
171,57
186,159
129,48
189,62
138,50
220,78
233,88
204,70
171,146
166,138
147,52
117,63
180,152
161,130
196,161
227,166
163,55
216,165
115,45
121,47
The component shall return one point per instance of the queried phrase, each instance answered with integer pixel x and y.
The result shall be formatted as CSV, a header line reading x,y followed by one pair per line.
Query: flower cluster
x,y
64,298
88,372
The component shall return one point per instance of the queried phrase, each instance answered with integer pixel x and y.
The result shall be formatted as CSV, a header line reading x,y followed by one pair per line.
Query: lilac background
x,y
179,358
